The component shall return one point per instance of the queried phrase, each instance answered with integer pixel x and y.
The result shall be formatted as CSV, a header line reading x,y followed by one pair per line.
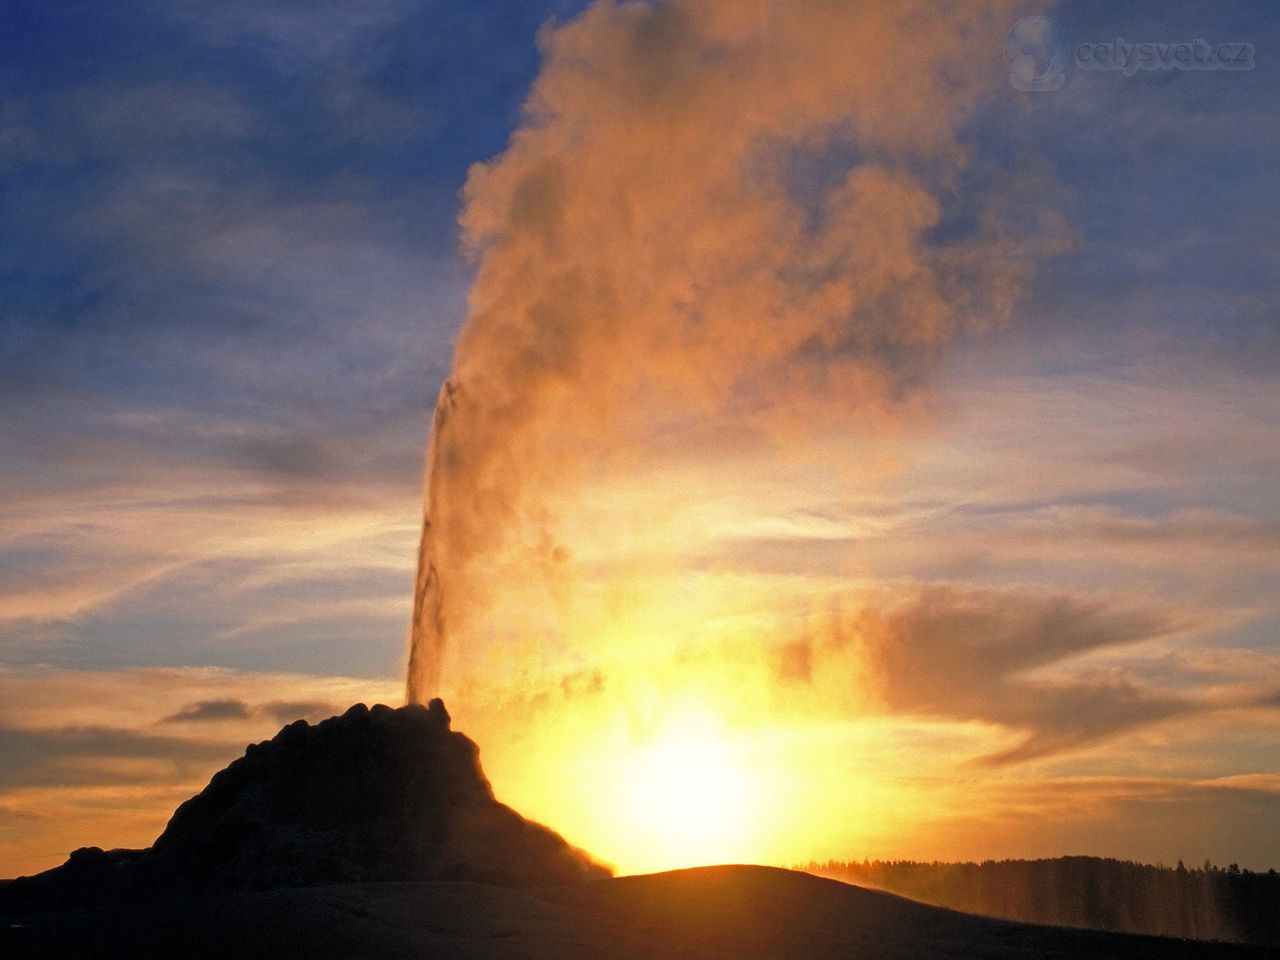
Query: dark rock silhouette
x,y
288,851
373,795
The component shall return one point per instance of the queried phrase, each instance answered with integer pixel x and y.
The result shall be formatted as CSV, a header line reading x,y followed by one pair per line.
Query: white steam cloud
x,y
718,219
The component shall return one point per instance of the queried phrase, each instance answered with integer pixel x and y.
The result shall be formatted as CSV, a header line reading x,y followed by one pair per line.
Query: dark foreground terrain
x,y
376,835
715,912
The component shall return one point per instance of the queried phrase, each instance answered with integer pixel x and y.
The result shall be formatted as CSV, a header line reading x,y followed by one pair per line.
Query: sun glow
x,y
687,798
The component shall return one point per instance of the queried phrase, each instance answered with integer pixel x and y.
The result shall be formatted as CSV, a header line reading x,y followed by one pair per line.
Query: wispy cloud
x,y
80,756
999,657
206,711
282,711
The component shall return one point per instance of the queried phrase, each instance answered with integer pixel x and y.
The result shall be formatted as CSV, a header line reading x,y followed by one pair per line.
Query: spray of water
x,y
720,219
427,637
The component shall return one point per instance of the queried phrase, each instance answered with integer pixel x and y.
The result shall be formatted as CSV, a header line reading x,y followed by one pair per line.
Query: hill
x,y
714,913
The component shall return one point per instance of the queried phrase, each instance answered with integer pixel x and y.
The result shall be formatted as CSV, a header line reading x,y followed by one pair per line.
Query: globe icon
x,y
1037,52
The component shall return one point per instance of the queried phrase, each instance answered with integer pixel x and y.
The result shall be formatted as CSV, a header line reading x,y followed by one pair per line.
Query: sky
x,y
1002,583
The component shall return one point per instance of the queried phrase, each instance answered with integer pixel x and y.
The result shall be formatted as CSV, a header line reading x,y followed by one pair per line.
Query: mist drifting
x,y
717,220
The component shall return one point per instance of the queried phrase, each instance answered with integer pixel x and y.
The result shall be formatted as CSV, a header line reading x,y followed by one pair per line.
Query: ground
x,y
737,912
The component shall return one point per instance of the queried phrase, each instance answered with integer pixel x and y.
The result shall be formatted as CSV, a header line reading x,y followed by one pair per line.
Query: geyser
x,y
721,223
427,631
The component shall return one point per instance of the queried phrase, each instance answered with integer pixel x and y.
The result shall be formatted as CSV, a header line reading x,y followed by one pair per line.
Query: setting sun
x,y
686,798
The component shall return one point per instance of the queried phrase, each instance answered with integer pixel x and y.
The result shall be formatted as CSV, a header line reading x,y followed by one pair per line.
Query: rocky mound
x,y
373,795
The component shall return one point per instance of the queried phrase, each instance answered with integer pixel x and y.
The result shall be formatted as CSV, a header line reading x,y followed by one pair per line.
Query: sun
x,y
686,798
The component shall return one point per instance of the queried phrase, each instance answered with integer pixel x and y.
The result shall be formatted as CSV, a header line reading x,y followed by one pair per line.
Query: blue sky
x,y
229,245
230,278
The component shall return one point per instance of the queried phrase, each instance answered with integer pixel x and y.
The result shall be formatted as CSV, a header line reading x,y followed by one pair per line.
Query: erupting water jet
x,y
427,631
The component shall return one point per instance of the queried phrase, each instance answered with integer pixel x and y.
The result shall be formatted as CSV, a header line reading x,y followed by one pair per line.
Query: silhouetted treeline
x,y
1207,903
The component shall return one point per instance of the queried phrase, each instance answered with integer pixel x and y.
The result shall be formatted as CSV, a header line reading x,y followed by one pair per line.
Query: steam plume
x,y
720,219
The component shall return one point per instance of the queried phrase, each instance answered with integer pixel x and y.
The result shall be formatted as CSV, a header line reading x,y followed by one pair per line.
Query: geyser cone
x,y
377,794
